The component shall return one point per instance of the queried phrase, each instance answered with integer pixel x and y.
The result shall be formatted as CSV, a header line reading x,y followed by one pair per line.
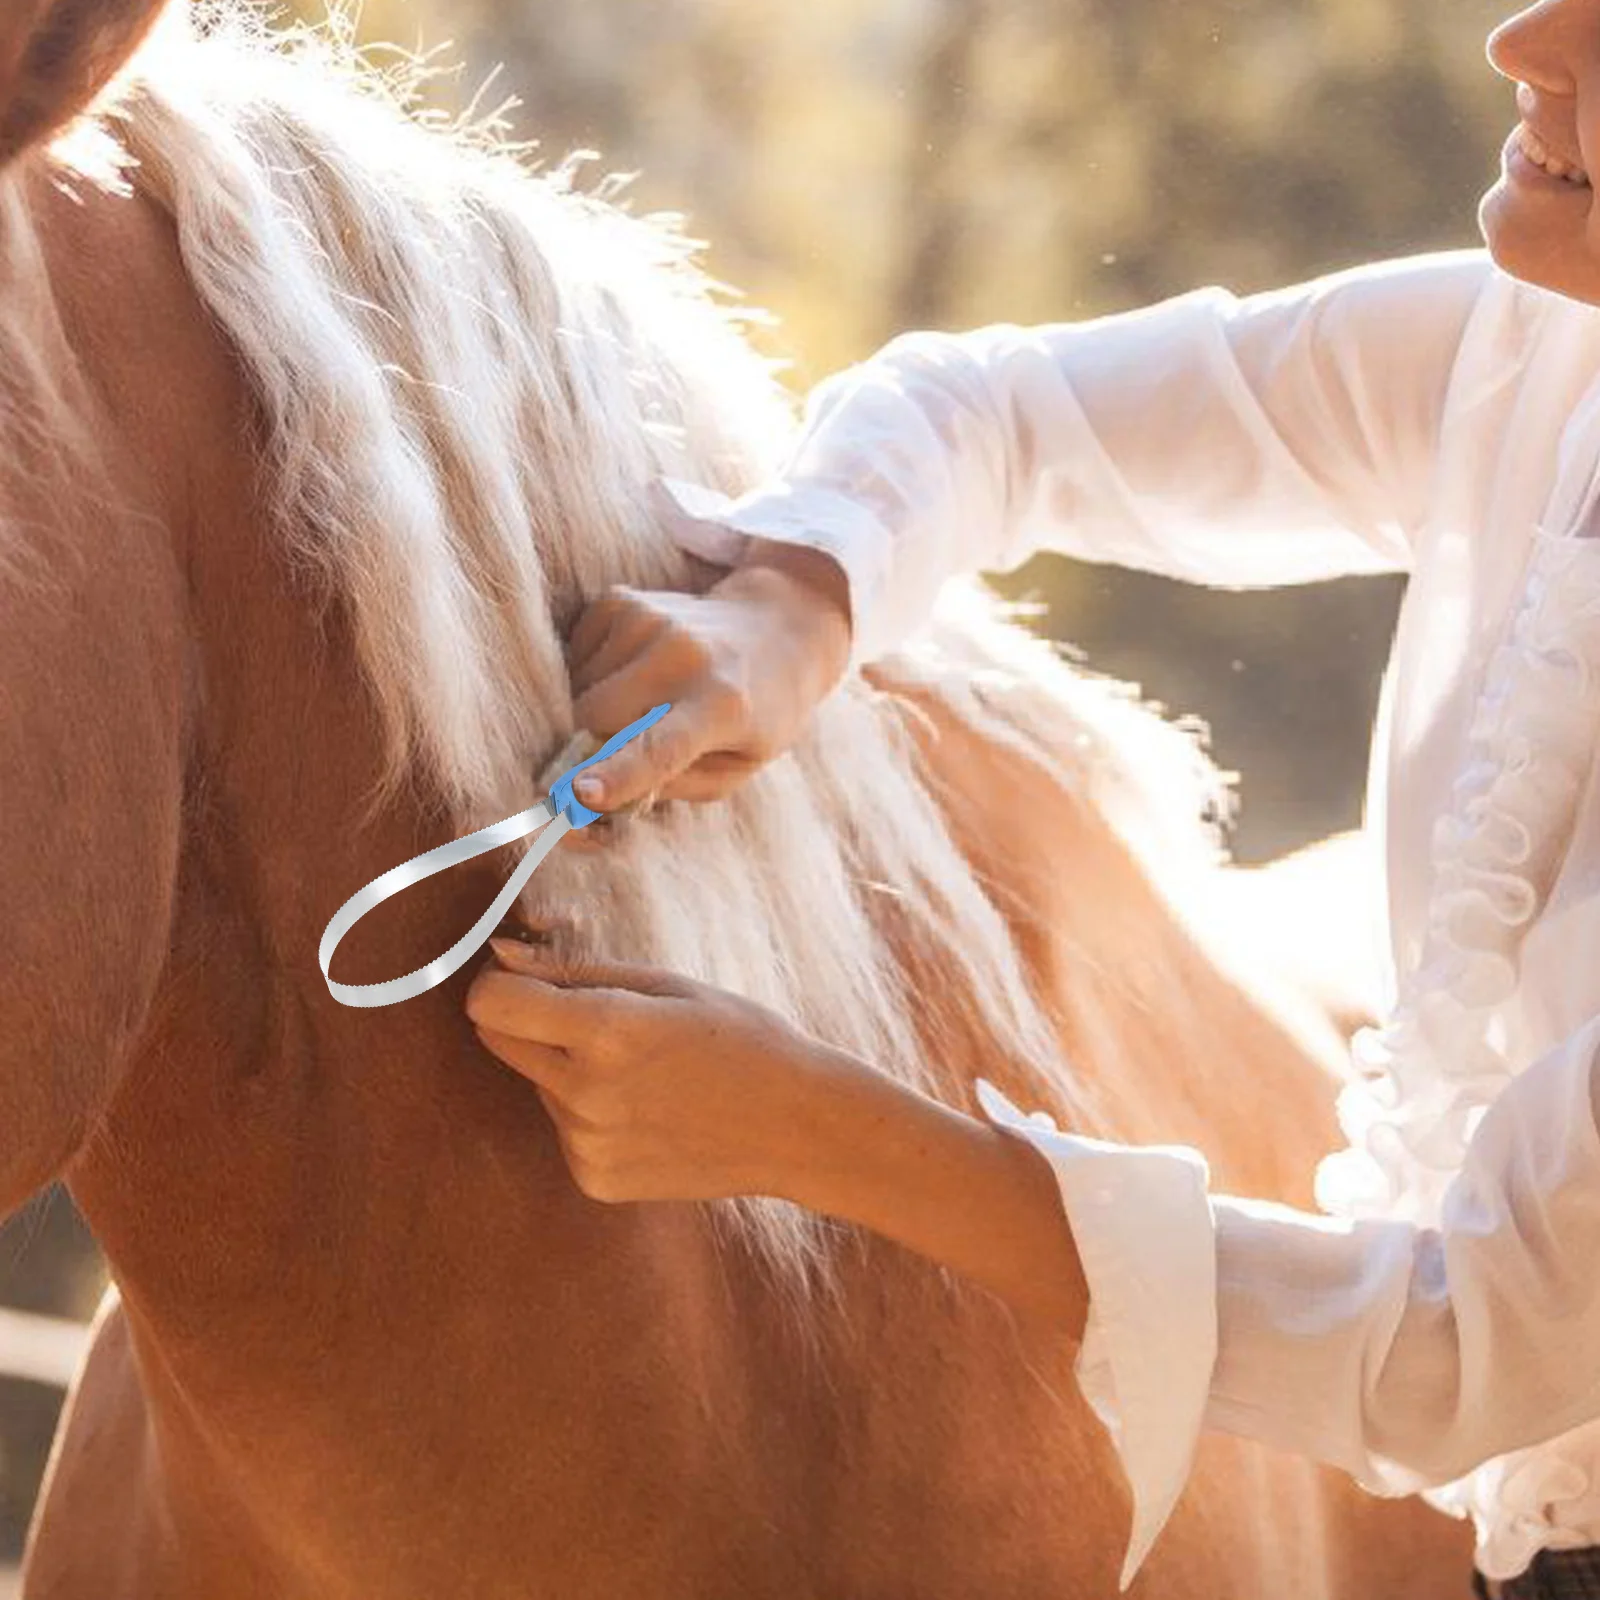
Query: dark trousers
x,y
1554,1575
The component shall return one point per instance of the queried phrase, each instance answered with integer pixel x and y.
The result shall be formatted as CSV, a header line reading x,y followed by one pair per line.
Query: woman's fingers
x,y
610,703
551,1069
656,757
542,1012
630,632
575,978
612,622
713,777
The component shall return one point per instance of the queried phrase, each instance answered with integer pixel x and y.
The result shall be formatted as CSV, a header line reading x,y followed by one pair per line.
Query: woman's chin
x,y
1498,238
1527,243
1504,222
1513,244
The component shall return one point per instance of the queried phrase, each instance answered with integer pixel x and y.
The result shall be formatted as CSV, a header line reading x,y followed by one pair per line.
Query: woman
x,y
1439,415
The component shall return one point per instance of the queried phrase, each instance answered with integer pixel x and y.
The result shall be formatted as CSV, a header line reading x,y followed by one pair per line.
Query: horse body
x,y
367,1339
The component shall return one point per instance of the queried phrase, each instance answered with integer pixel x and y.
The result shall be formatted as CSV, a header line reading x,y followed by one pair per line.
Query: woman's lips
x,y
1538,156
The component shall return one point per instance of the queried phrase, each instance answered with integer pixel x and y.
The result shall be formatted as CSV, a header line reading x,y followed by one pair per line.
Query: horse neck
x,y
346,1236
242,1063
308,1210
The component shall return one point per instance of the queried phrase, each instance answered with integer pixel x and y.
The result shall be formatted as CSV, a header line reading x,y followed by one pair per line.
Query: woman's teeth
x,y
1538,153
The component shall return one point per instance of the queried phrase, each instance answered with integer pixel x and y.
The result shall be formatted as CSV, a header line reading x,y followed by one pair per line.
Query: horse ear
x,y
56,56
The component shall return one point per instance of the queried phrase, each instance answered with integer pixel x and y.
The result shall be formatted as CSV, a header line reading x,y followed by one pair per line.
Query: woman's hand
x,y
661,1088
743,665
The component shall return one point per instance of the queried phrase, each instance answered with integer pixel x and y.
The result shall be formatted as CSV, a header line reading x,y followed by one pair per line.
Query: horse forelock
x,y
470,375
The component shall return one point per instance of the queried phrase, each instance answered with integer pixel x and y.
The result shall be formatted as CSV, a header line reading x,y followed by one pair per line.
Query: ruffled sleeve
x,y
1410,1355
1279,438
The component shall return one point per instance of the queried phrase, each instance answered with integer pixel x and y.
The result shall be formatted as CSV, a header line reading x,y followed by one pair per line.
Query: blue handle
x,y
561,795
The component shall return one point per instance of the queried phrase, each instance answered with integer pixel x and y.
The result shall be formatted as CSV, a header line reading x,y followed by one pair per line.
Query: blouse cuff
x,y
717,528
1141,1220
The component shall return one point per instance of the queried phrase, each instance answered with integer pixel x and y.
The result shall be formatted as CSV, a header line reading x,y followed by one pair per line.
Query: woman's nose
x,y
1541,46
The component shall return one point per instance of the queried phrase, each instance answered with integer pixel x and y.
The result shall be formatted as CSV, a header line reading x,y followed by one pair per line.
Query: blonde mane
x,y
468,375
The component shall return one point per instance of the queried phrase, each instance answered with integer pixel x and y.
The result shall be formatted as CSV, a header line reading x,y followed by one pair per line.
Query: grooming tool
x,y
558,816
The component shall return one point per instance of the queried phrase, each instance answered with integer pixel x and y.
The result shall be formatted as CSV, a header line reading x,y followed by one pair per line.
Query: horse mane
x,y
47,442
468,374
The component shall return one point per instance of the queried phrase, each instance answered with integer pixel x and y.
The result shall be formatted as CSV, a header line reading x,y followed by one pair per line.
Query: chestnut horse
x,y
319,428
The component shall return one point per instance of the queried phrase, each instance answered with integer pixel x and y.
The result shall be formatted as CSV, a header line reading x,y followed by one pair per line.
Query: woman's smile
x,y
1530,158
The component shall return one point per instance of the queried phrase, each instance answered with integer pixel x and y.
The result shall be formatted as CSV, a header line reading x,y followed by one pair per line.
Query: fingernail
x,y
513,952
590,790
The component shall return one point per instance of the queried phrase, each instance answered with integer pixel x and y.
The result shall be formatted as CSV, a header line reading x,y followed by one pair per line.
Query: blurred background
x,y
859,167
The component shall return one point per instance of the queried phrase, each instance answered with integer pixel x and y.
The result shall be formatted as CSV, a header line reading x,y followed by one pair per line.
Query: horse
x,y
322,422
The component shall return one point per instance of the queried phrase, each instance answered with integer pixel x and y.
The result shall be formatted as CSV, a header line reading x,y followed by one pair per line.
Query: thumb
x,y
644,765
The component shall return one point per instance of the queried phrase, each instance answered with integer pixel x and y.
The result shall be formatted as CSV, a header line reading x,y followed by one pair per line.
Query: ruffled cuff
x,y
1141,1220
717,528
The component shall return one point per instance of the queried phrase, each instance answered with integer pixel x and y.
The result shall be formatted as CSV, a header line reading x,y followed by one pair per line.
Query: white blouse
x,y
1431,415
